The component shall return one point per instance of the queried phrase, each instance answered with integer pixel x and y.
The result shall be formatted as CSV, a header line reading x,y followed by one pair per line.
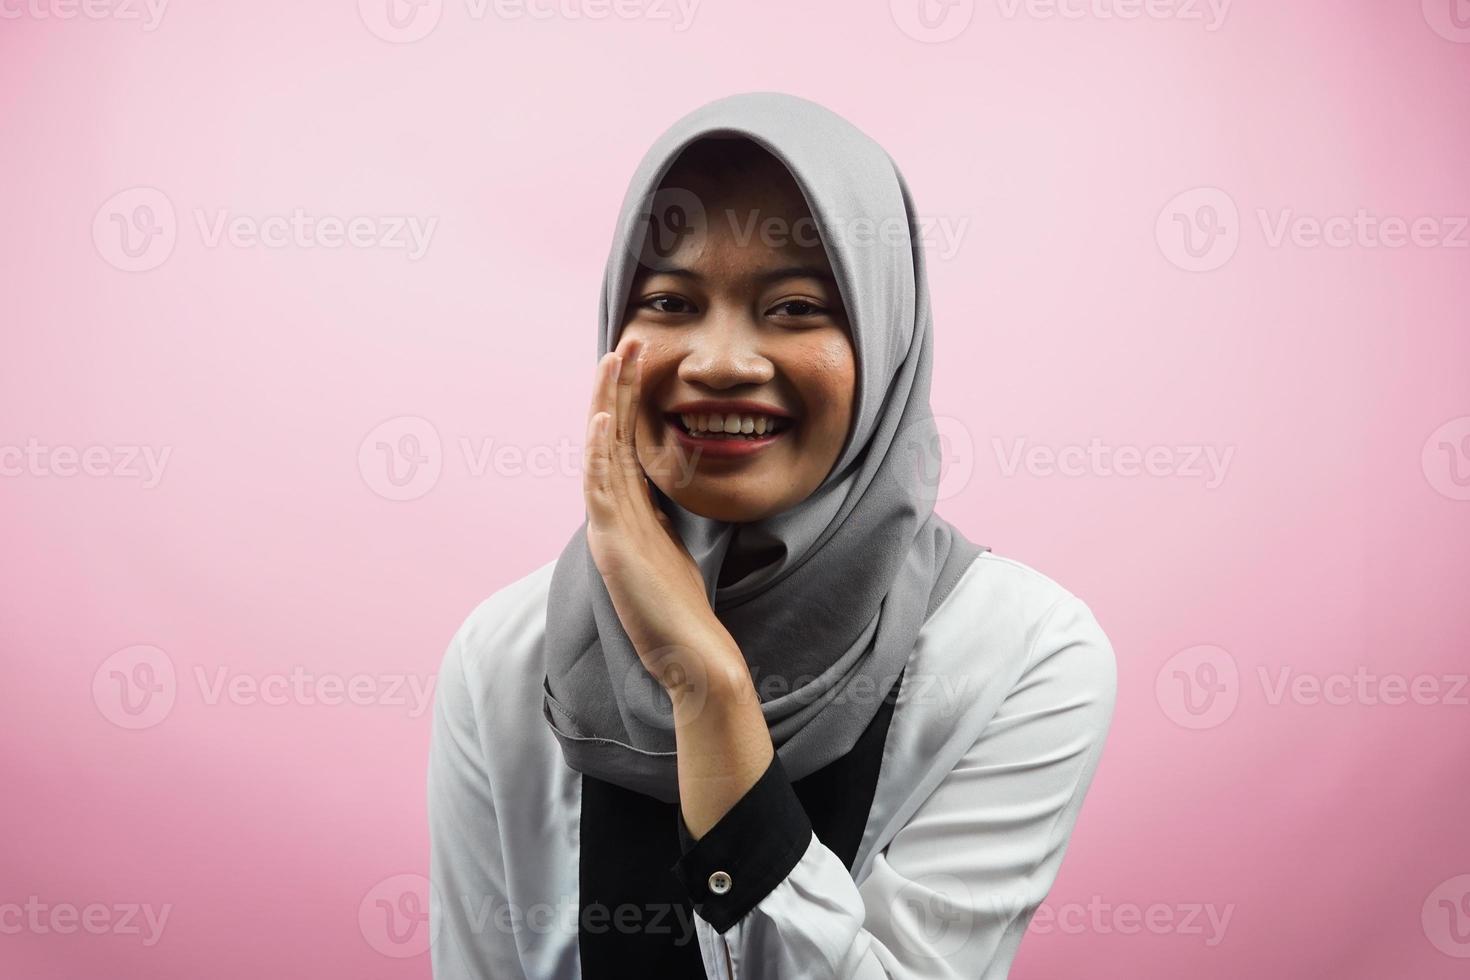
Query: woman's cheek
x,y
825,373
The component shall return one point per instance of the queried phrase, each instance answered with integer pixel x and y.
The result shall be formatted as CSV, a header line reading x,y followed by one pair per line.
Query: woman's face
x,y
743,330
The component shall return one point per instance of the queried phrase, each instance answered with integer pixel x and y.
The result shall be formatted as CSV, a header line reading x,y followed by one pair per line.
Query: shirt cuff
x,y
750,851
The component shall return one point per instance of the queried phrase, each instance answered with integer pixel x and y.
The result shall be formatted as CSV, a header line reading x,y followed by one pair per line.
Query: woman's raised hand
x,y
653,581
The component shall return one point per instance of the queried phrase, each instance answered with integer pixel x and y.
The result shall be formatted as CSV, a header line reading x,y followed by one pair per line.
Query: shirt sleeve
x,y
951,895
467,877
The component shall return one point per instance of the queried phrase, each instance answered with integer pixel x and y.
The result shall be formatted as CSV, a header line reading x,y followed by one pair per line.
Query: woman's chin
x,y
732,508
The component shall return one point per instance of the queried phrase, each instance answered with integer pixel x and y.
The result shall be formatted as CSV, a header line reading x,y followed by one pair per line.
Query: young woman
x,y
767,716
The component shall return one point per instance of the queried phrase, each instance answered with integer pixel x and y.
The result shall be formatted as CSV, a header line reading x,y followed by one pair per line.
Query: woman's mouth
x,y
734,434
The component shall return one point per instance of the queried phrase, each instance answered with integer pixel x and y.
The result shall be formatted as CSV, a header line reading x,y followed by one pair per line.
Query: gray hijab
x,y
828,624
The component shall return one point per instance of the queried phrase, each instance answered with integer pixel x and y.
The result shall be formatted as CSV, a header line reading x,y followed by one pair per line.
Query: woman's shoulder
x,y
488,697
1016,617
510,607
1000,576
501,637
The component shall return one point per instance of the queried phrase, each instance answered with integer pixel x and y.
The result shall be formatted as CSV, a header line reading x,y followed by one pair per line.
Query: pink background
x,y
1327,839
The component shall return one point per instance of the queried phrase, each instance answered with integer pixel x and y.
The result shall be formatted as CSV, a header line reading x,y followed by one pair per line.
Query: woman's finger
x,y
596,469
597,456
629,392
604,385
627,477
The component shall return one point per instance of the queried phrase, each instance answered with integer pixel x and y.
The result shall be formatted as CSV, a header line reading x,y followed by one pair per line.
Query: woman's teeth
x,y
731,426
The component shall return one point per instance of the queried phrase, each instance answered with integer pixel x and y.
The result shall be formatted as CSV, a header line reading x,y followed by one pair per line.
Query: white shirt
x,y
992,743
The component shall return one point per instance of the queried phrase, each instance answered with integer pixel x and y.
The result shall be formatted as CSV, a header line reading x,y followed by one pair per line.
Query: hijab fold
x,y
827,625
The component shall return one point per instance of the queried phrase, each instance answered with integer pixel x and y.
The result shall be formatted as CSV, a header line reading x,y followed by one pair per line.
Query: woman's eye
x,y
668,304
798,307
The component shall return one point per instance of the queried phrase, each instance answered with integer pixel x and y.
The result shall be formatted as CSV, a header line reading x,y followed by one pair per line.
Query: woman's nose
x,y
724,352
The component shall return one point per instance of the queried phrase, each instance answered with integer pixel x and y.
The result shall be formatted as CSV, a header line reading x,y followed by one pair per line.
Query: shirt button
x,y
719,882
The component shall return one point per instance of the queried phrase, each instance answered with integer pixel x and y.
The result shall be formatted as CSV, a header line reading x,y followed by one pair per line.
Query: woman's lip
x,y
723,448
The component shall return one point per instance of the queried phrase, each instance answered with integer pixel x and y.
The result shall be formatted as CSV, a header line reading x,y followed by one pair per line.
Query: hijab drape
x,y
829,622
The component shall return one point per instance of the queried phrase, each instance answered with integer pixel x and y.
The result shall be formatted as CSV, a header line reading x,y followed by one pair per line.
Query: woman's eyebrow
x,y
797,272
645,272
768,275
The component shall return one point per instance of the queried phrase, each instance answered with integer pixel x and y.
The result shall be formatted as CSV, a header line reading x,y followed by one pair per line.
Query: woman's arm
x,y
952,893
466,867
723,743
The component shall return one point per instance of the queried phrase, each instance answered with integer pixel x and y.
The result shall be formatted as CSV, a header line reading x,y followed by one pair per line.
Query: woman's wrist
x,y
699,658
722,739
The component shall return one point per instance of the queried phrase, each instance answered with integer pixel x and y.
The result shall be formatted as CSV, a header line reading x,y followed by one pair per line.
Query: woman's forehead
x,y
758,241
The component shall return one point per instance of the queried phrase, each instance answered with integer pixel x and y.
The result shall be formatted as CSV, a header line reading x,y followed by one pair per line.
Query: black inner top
x,y
635,918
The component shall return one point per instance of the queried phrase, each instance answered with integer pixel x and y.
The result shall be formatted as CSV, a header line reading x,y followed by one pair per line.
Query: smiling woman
x,y
747,359
710,728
